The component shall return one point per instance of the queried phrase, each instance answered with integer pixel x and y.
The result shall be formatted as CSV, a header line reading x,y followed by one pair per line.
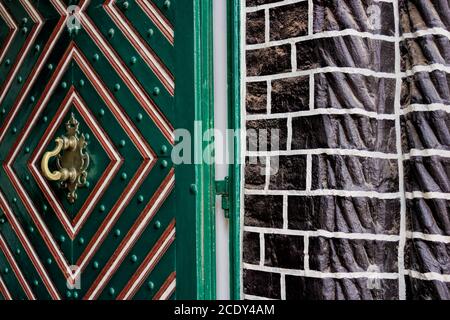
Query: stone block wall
x,y
359,207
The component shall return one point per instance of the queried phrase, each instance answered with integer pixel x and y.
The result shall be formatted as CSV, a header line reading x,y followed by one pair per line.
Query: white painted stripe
x,y
428,237
94,79
151,264
398,133
167,31
134,236
322,111
429,31
425,68
289,134
285,212
112,220
310,17
349,70
170,289
100,134
125,75
320,35
16,269
322,275
253,297
426,153
308,172
341,152
425,108
272,5
327,192
429,276
13,28
29,42
283,286
262,252
36,74
142,48
4,289
324,234
35,260
266,26
427,195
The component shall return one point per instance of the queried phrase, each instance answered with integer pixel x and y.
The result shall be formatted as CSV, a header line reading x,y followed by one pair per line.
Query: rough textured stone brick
x,y
271,60
429,216
256,27
346,51
263,211
344,214
346,91
344,255
417,289
284,251
273,138
344,132
307,55
358,15
256,98
340,289
425,50
289,21
425,88
427,256
290,94
255,174
354,173
291,173
426,130
423,14
428,174
263,284
251,252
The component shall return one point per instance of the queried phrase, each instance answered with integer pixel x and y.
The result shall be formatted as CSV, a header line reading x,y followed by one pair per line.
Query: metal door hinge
x,y
223,189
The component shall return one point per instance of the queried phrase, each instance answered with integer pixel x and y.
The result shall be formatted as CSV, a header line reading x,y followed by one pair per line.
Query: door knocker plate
x,y
72,160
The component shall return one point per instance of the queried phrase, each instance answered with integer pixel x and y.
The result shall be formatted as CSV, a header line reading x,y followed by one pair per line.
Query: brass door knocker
x,y
72,160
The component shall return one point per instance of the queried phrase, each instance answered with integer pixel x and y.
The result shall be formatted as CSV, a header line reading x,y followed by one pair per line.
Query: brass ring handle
x,y
62,143
72,160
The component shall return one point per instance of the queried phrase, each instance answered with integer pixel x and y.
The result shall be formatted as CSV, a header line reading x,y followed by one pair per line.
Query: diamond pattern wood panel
x,y
115,73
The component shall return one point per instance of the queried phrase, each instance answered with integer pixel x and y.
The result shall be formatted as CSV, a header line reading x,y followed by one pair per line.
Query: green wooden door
x,y
117,72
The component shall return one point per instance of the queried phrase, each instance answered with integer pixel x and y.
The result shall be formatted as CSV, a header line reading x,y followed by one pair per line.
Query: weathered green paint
x,y
234,120
196,61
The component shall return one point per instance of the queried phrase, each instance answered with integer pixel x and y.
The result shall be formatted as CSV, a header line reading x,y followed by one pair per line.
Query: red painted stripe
x,y
171,279
32,78
9,256
157,66
127,243
28,248
72,228
4,290
128,78
155,15
37,19
149,263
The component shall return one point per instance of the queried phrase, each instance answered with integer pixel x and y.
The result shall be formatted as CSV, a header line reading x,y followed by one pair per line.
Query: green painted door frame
x,y
199,276
196,62
234,122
